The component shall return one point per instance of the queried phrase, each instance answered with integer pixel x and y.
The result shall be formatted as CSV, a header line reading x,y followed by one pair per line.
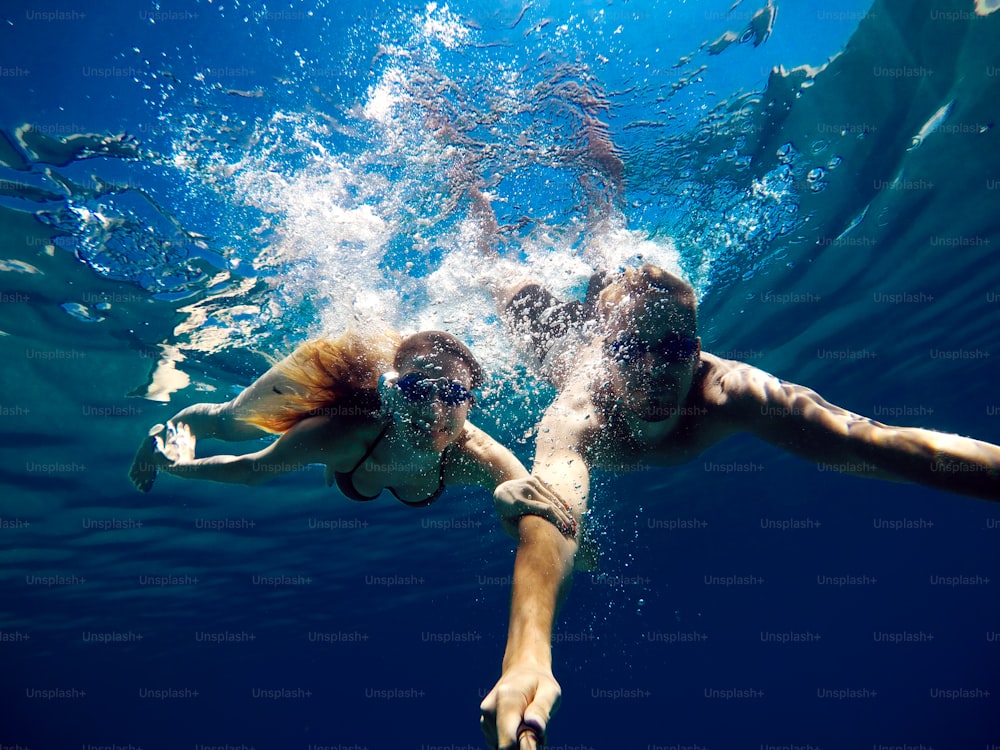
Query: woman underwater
x,y
380,412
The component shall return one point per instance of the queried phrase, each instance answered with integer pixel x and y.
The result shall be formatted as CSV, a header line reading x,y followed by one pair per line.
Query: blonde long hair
x,y
333,374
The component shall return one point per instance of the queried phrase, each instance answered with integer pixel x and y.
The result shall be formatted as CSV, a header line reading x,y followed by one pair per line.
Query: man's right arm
x,y
527,693
567,427
560,447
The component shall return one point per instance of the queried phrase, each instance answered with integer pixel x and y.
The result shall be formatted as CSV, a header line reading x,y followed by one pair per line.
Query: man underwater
x,y
641,391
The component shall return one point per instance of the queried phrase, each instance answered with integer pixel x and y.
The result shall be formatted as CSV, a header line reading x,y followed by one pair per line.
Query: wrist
x,y
529,650
530,659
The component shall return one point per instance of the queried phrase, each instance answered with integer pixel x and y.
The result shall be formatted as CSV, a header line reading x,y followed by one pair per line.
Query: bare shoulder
x,y
474,442
334,437
574,409
731,386
574,421
577,395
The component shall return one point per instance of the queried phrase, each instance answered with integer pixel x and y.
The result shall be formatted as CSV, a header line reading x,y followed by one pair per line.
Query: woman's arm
x,y
204,420
218,421
302,445
481,460
224,421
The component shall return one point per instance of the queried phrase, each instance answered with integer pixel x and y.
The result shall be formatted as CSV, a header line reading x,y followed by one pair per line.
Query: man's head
x,y
435,374
650,322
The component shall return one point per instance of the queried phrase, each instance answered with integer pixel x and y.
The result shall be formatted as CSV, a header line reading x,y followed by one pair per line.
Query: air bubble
x,y
80,312
786,153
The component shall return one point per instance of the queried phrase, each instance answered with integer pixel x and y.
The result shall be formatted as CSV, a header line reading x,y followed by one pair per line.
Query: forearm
x,y
228,469
946,462
943,461
217,421
801,421
543,570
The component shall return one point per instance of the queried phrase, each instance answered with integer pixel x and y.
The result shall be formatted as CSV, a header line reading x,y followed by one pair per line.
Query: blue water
x,y
288,168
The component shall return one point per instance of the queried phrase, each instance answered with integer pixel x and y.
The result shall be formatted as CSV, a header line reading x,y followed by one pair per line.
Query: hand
x,y
147,461
531,496
516,711
178,445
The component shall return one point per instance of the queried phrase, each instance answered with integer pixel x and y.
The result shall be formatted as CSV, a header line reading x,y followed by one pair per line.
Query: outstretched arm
x,y
522,701
303,444
223,421
204,420
563,433
802,422
527,693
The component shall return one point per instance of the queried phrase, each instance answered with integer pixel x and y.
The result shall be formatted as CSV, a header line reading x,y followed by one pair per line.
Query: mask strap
x,y
388,393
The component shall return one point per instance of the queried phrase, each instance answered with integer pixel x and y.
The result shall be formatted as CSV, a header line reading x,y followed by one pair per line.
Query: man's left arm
x,y
799,420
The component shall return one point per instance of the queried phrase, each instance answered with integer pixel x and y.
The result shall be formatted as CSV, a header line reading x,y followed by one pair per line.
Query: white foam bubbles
x,y
443,26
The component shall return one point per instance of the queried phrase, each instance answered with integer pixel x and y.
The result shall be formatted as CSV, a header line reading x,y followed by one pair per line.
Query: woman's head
x,y
435,374
330,376
449,356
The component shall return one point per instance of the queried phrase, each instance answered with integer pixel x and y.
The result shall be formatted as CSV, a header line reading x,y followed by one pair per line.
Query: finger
x,y
563,520
560,501
488,718
545,490
508,719
533,486
528,738
566,509
544,704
